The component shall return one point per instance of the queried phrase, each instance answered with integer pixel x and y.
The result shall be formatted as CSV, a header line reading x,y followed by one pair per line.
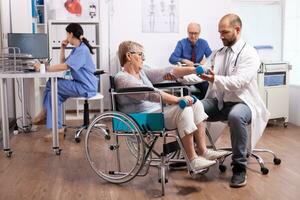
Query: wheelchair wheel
x,y
107,149
132,146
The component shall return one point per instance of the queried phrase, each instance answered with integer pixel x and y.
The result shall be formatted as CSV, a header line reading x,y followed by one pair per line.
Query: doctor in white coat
x,y
233,93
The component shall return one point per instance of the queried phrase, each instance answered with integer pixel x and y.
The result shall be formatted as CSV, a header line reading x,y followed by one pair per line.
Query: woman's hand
x,y
189,99
187,62
64,43
37,66
169,77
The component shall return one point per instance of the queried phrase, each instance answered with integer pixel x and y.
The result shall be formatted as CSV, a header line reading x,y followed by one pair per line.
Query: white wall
x,y
292,39
291,54
16,18
294,112
5,15
5,28
21,16
122,20
126,24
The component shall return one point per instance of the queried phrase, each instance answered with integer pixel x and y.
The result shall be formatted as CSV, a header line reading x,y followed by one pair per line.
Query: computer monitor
x,y
35,44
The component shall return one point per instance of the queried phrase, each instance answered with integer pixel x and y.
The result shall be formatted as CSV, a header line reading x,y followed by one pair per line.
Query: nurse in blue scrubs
x,y
83,84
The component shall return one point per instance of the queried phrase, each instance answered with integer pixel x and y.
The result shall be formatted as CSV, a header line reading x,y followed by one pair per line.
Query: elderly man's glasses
x,y
141,54
194,33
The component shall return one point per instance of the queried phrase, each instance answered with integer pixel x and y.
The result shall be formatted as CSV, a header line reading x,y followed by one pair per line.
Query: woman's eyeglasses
x,y
141,54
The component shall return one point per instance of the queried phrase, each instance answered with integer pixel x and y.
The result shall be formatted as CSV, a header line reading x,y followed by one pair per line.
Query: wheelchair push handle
x,y
184,103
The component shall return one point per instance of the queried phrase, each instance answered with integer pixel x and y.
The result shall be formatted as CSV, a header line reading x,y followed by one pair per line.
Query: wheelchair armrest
x,y
99,72
168,84
171,86
134,89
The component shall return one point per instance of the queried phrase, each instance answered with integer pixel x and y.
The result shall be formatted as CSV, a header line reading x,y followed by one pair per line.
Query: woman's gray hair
x,y
124,48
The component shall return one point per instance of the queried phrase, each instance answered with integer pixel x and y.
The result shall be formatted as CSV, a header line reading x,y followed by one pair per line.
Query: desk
x,y
4,111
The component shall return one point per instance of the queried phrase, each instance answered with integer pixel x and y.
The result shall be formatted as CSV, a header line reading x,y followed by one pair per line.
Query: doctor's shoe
x,y
239,176
201,163
61,135
210,154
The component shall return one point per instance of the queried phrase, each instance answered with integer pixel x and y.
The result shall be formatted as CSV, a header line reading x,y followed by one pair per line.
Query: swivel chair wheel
x,y
264,170
8,153
285,124
57,151
166,180
222,168
107,137
276,161
77,140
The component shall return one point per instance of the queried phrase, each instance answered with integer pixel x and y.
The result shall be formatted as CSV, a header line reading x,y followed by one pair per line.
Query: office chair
x,y
86,118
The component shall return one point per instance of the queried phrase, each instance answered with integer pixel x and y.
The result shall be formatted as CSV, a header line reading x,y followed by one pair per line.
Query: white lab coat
x,y
242,80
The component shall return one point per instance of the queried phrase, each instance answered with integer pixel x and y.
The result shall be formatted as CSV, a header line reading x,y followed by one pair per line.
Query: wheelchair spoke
x,y
115,155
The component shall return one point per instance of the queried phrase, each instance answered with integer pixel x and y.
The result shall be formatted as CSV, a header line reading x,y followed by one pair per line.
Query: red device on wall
x,y
73,6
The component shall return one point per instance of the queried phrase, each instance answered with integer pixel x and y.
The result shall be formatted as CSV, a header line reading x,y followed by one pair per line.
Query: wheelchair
x,y
120,146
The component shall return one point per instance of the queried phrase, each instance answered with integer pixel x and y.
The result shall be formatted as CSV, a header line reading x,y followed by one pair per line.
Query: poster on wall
x,y
160,16
75,10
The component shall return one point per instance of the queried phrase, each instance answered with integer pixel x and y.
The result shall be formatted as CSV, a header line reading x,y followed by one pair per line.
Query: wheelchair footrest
x,y
171,147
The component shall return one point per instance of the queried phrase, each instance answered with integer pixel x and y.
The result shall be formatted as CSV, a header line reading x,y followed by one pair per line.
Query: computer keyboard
x,y
28,70
18,56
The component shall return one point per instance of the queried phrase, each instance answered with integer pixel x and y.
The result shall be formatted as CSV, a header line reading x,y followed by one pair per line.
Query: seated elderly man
x,y
186,120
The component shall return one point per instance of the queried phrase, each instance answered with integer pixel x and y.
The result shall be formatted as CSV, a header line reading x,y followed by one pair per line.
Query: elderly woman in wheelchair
x,y
121,144
186,120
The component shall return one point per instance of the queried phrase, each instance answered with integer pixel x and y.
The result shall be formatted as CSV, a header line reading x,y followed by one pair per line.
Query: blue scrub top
x,y
82,70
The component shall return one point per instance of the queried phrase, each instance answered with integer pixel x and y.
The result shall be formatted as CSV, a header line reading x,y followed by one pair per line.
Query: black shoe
x,y
178,165
239,177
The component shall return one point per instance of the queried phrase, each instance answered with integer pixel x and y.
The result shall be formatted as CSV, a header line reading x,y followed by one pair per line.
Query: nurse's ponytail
x,y
86,42
77,31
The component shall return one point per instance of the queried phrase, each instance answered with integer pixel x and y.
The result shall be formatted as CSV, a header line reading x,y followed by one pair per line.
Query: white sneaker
x,y
201,163
213,155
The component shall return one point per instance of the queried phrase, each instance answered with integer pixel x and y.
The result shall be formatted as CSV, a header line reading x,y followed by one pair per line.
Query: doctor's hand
x,y
64,43
208,77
